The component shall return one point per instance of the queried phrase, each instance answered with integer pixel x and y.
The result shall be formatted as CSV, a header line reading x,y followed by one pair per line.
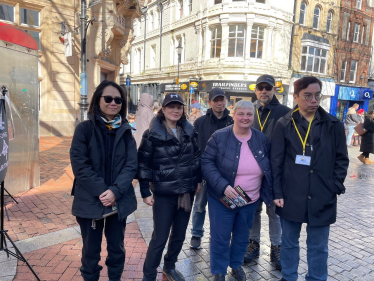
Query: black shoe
x,y
173,274
195,242
275,256
253,251
219,277
239,274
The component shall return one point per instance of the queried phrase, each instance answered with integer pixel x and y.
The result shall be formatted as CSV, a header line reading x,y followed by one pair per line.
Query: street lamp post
x,y
160,7
144,11
179,51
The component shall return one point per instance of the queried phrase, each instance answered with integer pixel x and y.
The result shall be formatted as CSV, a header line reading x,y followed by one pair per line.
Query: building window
x,y
358,4
362,35
29,17
344,69
349,27
215,42
302,13
236,40
329,21
190,6
153,57
313,60
316,18
352,74
35,35
6,12
257,41
217,2
151,23
356,33
260,1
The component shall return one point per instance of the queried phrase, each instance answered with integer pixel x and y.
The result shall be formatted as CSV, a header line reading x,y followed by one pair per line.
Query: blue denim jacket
x,y
220,161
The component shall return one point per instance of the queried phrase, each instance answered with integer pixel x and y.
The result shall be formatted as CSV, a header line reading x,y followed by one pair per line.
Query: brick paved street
x,y
44,214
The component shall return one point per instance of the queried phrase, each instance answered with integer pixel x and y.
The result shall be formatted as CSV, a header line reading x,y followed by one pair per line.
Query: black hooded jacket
x,y
206,125
172,166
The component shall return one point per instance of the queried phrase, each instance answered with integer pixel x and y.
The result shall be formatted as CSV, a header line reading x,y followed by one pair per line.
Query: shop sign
x,y
354,93
172,87
226,85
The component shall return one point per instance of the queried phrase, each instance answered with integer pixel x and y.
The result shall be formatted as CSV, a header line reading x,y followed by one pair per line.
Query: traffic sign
x,y
191,90
128,81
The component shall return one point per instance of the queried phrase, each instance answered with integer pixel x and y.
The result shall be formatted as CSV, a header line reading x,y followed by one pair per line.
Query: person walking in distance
x,y
268,110
217,117
351,120
309,161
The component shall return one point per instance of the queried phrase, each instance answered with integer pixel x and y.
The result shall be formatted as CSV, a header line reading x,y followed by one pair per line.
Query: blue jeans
x,y
199,211
275,230
229,231
317,251
350,132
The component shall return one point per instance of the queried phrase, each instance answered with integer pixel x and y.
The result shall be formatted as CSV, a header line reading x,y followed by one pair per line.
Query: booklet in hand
x,y
241,200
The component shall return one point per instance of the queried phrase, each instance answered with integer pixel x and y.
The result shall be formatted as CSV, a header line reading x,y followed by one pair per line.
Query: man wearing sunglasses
x,y
309,162
267,112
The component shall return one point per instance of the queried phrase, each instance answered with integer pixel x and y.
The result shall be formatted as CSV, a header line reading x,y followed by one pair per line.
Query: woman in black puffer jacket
x,y
169,166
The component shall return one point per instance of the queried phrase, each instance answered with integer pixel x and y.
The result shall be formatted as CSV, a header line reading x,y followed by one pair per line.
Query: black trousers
x,y
165,216
114,231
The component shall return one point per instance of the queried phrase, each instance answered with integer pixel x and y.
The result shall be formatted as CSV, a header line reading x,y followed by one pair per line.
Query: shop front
x,y
345,97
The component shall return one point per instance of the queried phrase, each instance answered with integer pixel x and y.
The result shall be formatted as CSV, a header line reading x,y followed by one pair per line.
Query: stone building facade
x,y
227,43
108,42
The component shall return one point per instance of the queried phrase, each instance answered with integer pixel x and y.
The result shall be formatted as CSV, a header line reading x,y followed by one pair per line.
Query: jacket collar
x,y
323,115
273,103
158,131
210,113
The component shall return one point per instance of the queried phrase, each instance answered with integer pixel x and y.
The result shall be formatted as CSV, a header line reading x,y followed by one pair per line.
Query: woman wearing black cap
x,y
169,166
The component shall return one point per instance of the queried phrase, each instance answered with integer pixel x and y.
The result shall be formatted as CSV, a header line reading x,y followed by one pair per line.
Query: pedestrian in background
x,y
268,110
132,122
217,117
104,160
235,156
309,162
367,141
156,106
144,115
351,120
169,166
356,136
195,112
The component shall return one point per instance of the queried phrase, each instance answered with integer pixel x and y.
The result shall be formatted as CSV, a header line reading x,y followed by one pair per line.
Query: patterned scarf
x,y
114,123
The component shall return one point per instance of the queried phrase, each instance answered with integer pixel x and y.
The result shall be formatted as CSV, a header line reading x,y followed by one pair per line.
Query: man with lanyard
x,y
217,117
267,112
309,161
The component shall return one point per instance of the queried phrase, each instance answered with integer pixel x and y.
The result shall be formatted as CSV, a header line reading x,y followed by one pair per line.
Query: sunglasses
x,y
109,99
267,88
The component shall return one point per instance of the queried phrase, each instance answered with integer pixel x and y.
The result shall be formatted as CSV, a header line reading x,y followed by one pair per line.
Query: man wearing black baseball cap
x,y
267,112
217,117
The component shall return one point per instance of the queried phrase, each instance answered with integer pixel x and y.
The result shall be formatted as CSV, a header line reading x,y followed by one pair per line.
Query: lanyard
x,y
307,133
259,121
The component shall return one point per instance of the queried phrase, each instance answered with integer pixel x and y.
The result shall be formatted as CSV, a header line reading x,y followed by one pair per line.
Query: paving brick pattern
x,y
47,209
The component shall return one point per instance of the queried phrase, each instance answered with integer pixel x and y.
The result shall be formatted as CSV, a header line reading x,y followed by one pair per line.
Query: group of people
x,y
293,160
355,117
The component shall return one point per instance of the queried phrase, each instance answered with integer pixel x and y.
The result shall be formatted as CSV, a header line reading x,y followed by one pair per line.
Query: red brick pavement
x,y
47,209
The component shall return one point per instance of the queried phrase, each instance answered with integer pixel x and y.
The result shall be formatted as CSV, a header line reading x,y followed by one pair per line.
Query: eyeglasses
x,y
267,87
309,97
109,99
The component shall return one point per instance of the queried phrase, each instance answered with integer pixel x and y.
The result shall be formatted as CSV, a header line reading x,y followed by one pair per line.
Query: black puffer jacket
x,y
367,141
87,157
172,166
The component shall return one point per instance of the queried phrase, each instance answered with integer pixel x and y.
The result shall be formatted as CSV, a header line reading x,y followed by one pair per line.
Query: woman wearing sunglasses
x,y
104,161
169,165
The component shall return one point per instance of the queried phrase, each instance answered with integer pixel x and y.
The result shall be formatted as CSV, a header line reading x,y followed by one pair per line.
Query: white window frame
x,y
236,38
257,41
316,16
329,21
14,13
359,4
356,33
343,71
314,57
354,72
303,12
362,34
349,27
213,42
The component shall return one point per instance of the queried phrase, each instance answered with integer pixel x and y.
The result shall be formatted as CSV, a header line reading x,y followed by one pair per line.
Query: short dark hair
x,y
94,108
304,82
160,115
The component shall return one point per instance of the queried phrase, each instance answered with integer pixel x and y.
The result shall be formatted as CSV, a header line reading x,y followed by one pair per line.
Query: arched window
x,y
329,21
302,13
317,12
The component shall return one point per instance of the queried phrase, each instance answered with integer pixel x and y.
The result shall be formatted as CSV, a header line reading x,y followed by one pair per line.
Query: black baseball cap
x,y
266,78
216,92
172,97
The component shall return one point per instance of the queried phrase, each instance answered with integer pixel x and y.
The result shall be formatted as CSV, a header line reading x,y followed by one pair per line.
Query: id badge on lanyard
x,y
303,159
